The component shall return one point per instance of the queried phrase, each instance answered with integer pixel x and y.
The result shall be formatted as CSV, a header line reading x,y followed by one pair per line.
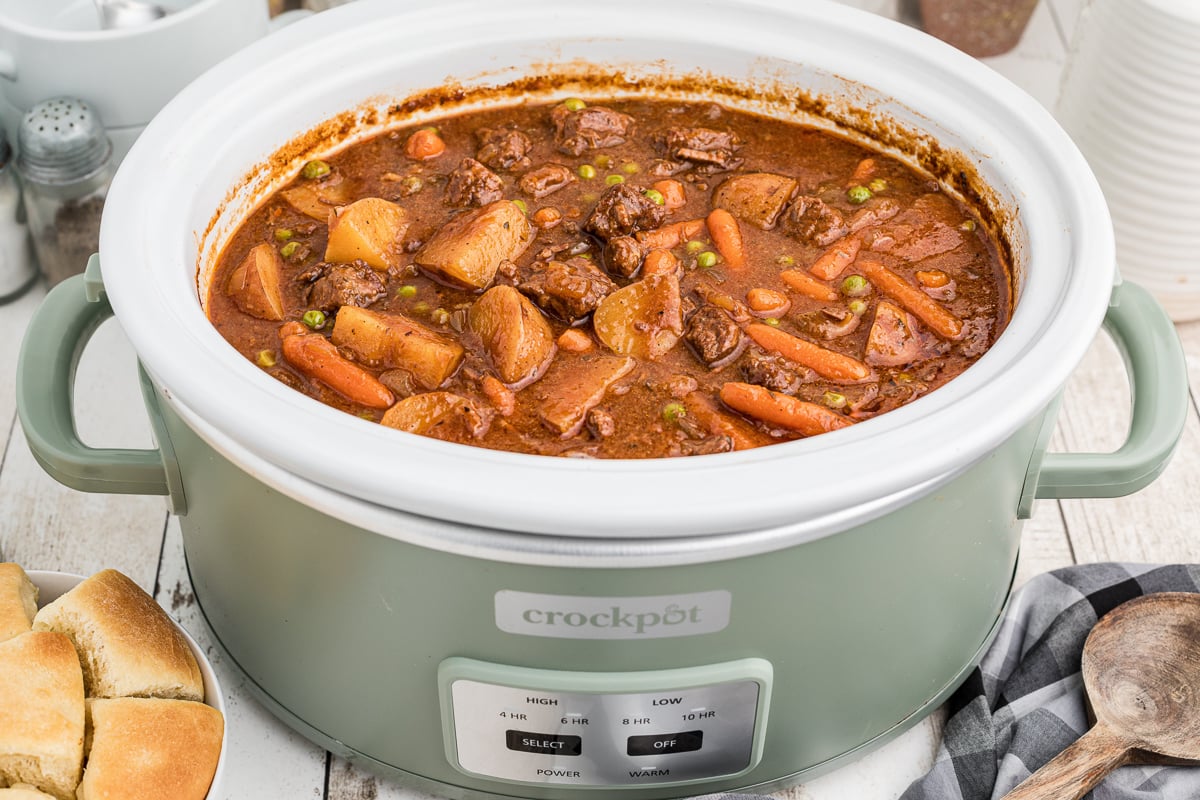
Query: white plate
x,y
52,585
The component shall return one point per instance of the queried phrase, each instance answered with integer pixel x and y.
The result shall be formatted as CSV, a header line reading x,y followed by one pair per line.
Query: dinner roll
x,y
23,791
127,644
18,601
41,713
150,749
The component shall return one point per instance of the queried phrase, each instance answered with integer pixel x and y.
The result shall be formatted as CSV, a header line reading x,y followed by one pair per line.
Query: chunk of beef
x,y
337,285
473,184
811,220
774,372
546,180
503,148
717,443
570,290
600,424
711,149
622,210
714,338
623,256
589,128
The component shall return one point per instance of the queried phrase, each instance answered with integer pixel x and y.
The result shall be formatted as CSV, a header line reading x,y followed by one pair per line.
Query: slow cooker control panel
x,y
612,729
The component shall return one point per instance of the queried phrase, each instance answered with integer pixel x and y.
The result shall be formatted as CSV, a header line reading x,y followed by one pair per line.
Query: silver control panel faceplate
x,y
606,738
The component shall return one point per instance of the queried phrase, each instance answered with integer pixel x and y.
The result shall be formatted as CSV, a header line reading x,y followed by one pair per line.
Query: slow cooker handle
x,y
50,352
1158,384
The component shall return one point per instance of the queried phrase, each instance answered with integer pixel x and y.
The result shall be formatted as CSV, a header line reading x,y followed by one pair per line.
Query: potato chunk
x,y
644,319
441,415
514,333
317,198
397,342
573,388
757,198
371,229
468,249
254,285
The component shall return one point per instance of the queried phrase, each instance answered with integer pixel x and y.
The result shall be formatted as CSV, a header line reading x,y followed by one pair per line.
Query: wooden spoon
x,y
1141,672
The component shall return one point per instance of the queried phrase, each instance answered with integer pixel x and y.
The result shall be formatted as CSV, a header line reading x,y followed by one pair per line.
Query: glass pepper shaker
x,y
17,268
65,163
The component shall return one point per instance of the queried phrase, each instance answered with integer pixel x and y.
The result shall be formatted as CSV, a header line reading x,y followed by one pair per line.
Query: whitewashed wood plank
x,y
1044,543
1066,15
1189,335
265,758
44,525
347,782
1035,63
1158,524
13,317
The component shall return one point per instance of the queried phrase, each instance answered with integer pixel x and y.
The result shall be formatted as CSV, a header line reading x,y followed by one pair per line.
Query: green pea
x,y
521,205
967,225
655,196
706,259
630,168
283,234
857,307
878,185
407,290
603,161
785,260
694,246
834,400
858,194
265,358
855,286
574,104
314,319
289,249
440,316
315,169
613,180
772,321
421,307
673,411
589,197
587,171
412,184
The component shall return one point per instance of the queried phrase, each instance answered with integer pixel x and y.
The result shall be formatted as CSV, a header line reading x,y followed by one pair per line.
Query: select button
x,y
657,744
544,743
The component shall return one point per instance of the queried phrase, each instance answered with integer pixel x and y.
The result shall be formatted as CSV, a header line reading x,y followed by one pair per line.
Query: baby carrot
x,y
573,340
672,192
805,284
672,235
784,410
317,358
705,412
826,363
499,395
839,256
921,305
863,172
424,144
727,236
659,262
768,301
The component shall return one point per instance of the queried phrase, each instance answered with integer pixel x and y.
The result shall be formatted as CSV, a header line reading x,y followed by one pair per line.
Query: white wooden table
x,y
46,526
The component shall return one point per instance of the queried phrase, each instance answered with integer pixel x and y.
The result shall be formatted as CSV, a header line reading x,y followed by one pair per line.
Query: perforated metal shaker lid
x,y
61,141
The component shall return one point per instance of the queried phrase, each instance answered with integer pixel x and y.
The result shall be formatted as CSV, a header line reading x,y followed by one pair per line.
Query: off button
x,y
544,743
657,744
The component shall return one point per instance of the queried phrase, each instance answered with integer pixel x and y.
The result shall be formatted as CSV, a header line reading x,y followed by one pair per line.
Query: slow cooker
x,y
496,624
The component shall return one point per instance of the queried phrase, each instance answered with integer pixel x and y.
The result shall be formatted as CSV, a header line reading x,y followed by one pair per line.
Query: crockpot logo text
x,y
575,617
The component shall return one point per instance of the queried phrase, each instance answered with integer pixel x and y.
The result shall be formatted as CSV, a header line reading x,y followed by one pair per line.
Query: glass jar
x,y
66,165
17,268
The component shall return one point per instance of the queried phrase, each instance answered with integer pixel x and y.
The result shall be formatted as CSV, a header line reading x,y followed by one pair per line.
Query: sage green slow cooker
x,y
485,624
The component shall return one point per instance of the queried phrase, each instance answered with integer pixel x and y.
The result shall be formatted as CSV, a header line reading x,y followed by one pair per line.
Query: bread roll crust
x,y
41,713
127,644
151,749
18,601
24,791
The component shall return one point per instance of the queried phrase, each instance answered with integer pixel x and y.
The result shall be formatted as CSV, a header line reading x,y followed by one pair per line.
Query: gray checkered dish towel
x,y
1025,703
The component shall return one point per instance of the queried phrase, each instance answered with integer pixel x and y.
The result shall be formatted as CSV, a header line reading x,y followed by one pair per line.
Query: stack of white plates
x,y
1130,98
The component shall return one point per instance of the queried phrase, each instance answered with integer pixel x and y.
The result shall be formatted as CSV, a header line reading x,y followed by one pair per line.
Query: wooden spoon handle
x,y
1075,771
